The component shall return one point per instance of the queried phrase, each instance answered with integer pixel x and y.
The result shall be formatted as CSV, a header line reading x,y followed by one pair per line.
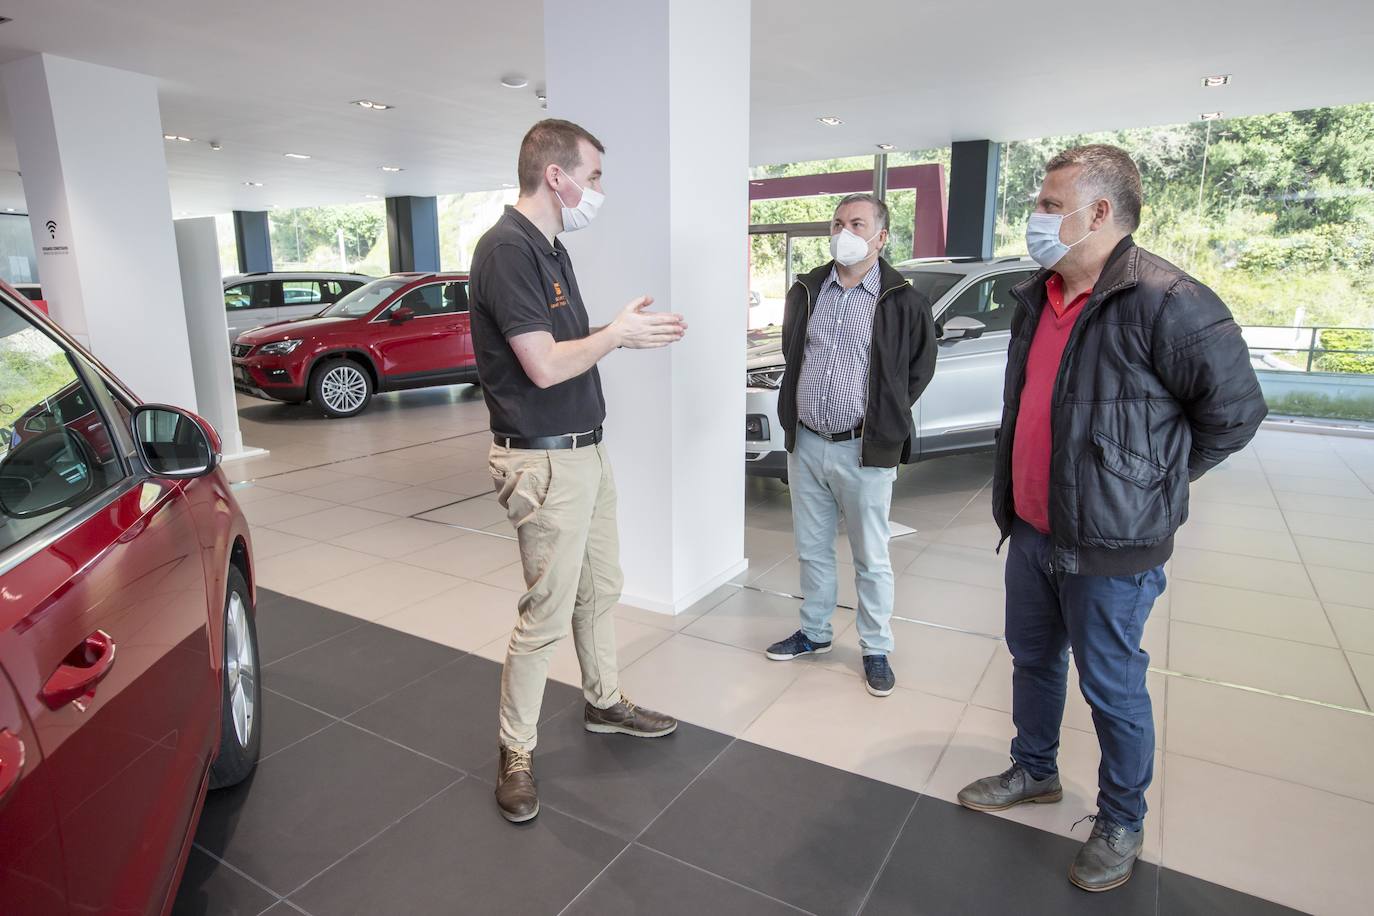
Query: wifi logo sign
x,y
52,229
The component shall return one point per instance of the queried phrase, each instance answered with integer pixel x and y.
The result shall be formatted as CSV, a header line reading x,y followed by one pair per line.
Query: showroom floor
x,y
1263,650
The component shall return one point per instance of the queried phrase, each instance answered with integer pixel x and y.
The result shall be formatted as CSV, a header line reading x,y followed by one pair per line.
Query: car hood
x,y
288,330
763,348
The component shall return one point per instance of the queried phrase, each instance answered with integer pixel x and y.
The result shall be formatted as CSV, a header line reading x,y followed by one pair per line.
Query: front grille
x,y
765,378
241,350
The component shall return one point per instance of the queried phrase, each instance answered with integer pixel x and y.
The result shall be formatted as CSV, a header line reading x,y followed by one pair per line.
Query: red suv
x,y
128,642
402,331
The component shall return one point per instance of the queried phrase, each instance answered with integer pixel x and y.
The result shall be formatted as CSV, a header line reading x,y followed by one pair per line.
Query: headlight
x,y
280,348
765,378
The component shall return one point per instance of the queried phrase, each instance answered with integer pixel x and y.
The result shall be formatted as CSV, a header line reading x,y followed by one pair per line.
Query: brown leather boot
x,y
625,718
516,795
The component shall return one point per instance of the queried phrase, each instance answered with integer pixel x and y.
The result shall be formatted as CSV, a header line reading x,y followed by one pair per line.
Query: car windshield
x,y
365,298
932,284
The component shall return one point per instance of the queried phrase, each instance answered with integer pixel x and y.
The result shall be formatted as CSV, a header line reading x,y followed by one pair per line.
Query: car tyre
x,y
340,388
240,736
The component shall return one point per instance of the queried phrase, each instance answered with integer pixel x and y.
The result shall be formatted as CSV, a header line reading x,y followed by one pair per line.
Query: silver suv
x,y
961,409
253,300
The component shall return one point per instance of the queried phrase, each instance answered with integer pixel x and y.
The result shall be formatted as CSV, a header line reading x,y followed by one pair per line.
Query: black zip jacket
x,y
901,362
1155,388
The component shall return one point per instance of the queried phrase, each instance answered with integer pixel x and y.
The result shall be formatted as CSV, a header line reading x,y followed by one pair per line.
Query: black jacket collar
x,y
888,277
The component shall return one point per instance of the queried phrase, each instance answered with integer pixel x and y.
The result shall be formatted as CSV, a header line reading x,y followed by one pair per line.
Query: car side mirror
x,y
173,442
402,314
962,327
43,474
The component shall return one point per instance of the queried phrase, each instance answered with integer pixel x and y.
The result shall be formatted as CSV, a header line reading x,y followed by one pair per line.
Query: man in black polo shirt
x,y
537,356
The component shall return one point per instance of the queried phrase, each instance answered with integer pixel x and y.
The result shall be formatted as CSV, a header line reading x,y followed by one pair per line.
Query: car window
x,y
365,298
255,295
334,290
56,451
989,301
301,292
436,299
932,284
456,296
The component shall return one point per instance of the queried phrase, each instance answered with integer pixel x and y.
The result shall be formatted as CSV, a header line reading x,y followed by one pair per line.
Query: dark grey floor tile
x,y
457,855
284,722
796,830
643,881
287,625
284,908
208,888
314,802
452,713
950,860
616,782
345,674
1184,895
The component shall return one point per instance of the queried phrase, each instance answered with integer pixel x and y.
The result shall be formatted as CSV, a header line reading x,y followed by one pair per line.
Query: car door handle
x,y
11,763
83,668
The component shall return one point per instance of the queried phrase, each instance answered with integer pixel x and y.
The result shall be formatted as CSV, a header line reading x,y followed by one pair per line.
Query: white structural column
x,y
664,84
95,177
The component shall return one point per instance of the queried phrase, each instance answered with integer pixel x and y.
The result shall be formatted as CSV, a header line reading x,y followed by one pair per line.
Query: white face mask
x,y
848,249
581,216
1042,236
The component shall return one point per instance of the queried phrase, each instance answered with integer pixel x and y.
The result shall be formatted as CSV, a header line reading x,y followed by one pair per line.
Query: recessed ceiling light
x,y
371,196
514,81
392,168
1210,115
216,146
9,209
886,147
830,121
1211,82
370,105
507,184
252,184
177,137
295,155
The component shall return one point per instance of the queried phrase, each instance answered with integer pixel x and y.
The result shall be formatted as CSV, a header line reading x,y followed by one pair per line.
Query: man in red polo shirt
x,y
1126,380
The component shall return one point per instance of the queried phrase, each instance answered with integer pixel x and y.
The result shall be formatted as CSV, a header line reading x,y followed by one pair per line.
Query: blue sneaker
x,y
878,676
795,645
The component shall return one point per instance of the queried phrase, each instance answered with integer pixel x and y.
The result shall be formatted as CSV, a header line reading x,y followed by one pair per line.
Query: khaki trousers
x,y
562,504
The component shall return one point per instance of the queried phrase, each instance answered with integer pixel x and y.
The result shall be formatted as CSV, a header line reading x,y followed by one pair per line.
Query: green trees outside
x,y
308,238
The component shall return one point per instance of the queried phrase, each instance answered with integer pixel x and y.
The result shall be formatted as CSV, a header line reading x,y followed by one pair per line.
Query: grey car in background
x,y
961,409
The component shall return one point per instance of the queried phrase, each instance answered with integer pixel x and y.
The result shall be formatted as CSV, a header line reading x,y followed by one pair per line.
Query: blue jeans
x,y
1102,618
827,483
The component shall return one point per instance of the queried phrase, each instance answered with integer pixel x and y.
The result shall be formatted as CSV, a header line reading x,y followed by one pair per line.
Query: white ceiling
x,y
265,78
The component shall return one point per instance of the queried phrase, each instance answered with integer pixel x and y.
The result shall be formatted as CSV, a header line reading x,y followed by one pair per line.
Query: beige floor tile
x,y
468,617
706,683
952,604
1202,512
1317,486
352,489
468,556
511,577
248,493
960,564
1328,466
268,542
1272,545
274,512
632,642
754,620
407,501
1363,666
1331,526
465,483
1295,669
380,590
1279,616
1354,627
981,747
298,481
333,522
1313,745
676,622
1347,505
1242,572
830,719
1331,552
1301,847
475,514
398,538
929,659
1344,586
1235,490
786,578
295,572
978,535
415,473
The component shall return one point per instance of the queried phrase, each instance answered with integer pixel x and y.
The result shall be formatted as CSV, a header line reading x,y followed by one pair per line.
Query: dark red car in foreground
x,y
402,331
128,646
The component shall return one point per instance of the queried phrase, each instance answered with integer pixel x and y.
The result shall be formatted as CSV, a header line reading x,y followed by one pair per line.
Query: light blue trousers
x,y
828,484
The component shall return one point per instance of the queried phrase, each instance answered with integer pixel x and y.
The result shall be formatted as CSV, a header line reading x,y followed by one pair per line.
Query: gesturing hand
x,y
639,329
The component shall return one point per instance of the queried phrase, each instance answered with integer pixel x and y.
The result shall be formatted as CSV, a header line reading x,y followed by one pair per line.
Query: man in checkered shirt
x,y
859,342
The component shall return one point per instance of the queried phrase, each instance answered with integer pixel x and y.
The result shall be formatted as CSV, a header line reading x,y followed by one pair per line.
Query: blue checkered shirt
x,y
832,393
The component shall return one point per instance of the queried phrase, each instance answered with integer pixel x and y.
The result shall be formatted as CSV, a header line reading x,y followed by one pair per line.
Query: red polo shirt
x,y
1030,453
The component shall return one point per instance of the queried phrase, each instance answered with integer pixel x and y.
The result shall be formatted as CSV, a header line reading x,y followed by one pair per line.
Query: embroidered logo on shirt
x,y
559,299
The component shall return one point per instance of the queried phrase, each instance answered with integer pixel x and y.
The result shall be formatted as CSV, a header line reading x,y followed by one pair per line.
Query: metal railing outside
x,y
1307,345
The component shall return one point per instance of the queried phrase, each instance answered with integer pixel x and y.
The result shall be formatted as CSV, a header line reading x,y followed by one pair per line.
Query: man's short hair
x,y
878,206
551,142
1108,171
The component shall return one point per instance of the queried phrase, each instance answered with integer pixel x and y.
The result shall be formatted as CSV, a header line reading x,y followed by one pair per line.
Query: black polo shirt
x,y
521,283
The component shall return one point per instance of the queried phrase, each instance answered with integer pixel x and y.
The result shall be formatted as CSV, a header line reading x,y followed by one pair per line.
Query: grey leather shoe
x,y
1108,858
1009,789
